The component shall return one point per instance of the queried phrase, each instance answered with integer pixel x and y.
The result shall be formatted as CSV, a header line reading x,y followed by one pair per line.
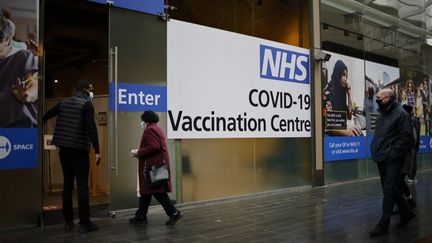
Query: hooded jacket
x,y
393,134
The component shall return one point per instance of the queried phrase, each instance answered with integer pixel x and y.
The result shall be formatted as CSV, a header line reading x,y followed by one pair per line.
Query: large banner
x,y
226,85
349,104
19,85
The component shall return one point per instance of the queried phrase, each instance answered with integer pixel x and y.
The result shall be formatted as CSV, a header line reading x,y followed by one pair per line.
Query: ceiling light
x,y
56,81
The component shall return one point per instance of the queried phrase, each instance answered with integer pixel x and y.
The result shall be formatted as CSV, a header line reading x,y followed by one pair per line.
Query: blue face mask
x,y
142,125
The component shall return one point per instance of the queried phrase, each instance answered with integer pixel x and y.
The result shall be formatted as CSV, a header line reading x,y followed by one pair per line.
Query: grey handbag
x,y
157,175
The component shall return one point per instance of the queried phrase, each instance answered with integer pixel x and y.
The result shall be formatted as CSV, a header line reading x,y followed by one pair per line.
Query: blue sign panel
x,y
18,148
146,6
425,144
138,97
344,148
369,152
285,65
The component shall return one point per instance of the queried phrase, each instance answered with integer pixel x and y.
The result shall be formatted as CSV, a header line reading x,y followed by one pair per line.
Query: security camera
x,y
322,56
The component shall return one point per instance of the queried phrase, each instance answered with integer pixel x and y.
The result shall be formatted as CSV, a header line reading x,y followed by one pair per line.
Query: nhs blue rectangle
x,y
425,144
146,6
18,148
284,65
344,148
137,97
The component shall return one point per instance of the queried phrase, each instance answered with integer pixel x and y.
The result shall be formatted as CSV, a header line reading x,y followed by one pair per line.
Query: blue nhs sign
x,y
285,65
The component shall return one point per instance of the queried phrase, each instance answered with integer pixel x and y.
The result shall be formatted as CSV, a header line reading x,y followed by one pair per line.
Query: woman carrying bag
x,y
153,153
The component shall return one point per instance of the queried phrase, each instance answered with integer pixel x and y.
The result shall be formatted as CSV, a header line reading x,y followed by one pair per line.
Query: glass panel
x,y
413,12
228,167
282,21
389,7
20,167
214,168
141,58
217,168
393,34
282,163
428,18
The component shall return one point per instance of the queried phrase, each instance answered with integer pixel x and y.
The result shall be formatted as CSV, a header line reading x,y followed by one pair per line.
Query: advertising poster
x,y
227,85
19,84
377,77
415,90
344,120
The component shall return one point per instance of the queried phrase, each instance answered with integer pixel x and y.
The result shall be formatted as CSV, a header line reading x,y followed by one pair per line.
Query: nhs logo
x,y
282,64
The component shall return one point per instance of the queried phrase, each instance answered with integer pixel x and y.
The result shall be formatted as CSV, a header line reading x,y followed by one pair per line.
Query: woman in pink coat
x,y
152,151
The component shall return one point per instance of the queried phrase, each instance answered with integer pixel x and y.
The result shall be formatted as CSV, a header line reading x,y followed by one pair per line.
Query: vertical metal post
x,y
317,136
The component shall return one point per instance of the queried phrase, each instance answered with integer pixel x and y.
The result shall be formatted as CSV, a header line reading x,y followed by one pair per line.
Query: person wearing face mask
x,y
152,150
18,81
75,130
392,141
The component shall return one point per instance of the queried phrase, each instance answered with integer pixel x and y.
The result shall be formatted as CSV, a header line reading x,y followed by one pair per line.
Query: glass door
x,y
137,56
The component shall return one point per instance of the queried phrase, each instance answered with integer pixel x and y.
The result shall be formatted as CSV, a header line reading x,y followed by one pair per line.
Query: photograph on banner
x,y
237,86
19,84
18,65
344,121
415,91
343,96
377,76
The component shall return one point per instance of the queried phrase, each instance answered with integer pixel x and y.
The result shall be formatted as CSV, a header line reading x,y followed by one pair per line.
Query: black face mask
x,y
382,106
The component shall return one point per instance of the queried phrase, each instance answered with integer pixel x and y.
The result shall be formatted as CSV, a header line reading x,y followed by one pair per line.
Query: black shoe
x,y
69,225
174,218
380,229
87,226
406,217
411,203
137,220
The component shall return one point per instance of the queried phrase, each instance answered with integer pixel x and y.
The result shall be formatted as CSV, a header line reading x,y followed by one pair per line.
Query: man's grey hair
x,y
389,93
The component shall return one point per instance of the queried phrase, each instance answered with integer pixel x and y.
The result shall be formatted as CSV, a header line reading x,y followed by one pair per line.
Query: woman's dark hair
x,y
338,91
150,117
6,28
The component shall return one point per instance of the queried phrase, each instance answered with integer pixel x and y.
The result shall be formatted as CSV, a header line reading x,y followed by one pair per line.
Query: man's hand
x,y
98,159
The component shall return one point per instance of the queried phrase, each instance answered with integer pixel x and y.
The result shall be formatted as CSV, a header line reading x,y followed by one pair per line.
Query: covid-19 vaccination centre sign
x,y
227,85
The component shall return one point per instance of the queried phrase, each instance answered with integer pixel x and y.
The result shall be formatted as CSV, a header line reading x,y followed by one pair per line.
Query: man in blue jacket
x,y
393,138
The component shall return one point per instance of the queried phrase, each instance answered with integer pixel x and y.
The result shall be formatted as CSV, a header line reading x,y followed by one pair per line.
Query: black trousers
x,y
413,171
75,164
162,198
402,186
390,179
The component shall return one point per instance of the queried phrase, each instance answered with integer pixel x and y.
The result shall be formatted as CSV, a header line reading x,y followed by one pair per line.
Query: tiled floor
x,y
335,213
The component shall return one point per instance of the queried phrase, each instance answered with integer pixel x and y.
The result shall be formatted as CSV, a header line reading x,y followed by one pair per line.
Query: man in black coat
x,y
392,140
